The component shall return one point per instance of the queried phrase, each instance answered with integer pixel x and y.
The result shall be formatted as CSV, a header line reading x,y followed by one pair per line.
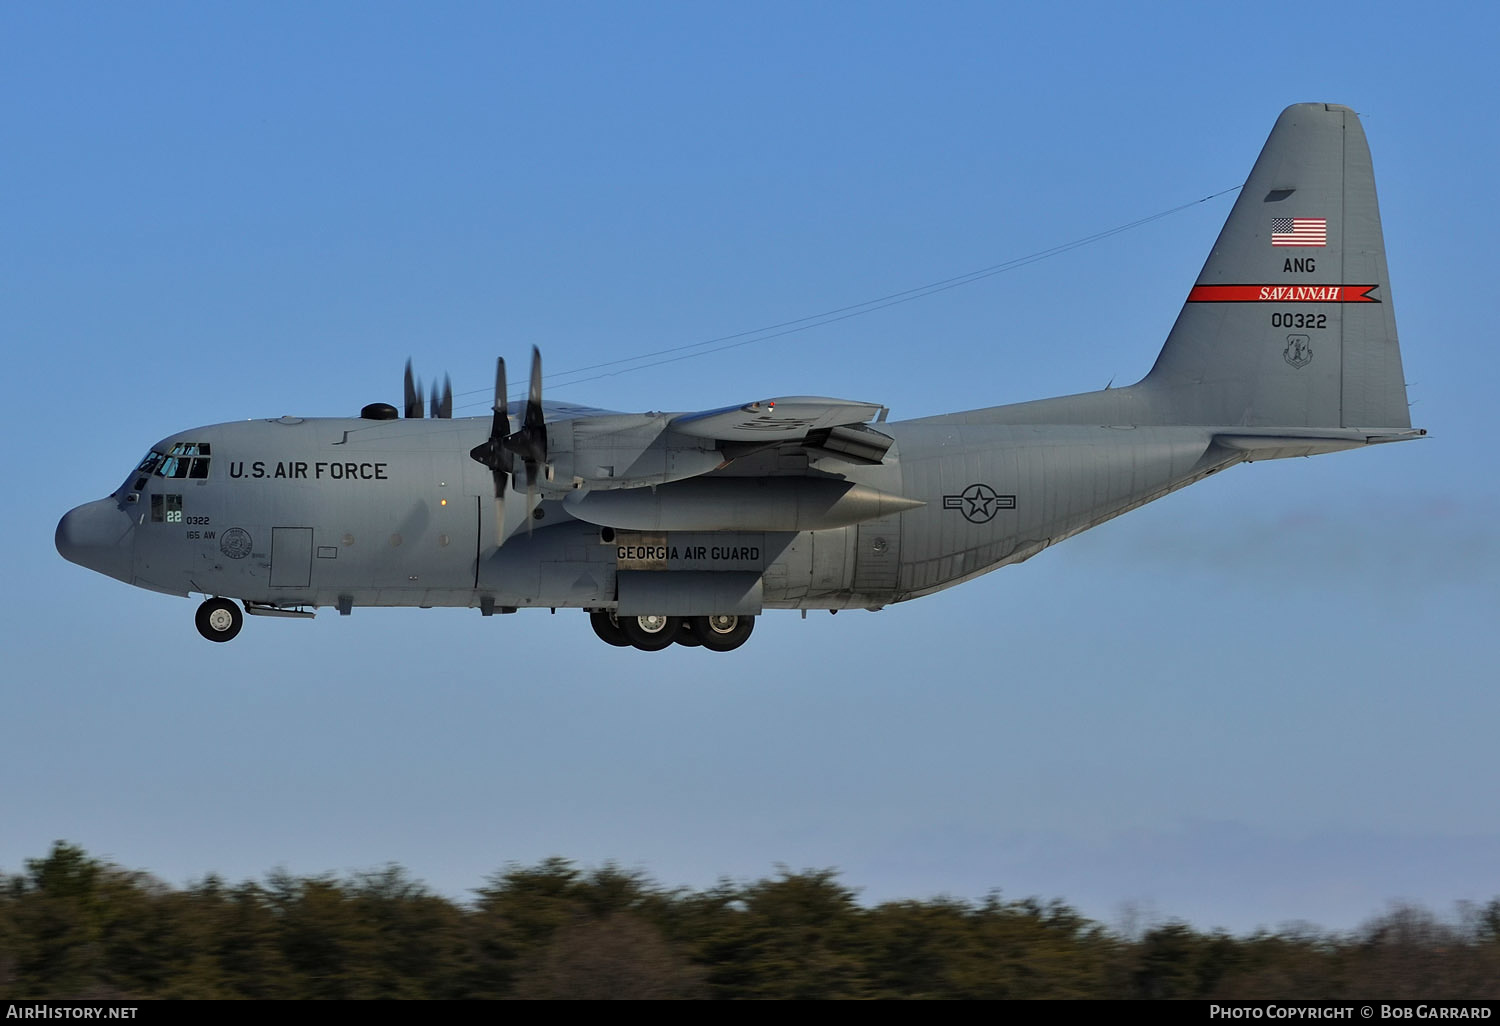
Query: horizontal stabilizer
x,y
1281,445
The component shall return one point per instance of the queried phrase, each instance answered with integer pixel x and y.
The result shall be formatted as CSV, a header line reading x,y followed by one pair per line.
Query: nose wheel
x,y
219,619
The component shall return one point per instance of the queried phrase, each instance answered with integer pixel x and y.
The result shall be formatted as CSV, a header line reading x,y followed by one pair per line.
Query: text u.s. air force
x,y
304,471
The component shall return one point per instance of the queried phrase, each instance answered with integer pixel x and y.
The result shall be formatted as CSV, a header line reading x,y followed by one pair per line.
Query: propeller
x,y
442,402
529,442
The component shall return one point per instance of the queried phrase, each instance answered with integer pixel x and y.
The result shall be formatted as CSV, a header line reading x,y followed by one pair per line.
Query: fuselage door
x,y
291,557
877,559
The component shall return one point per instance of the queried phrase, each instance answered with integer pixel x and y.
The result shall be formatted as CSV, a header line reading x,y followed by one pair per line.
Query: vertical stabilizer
x,y
1290,323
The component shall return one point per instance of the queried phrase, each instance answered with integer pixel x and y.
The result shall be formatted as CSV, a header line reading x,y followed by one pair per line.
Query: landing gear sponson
x,y
652,633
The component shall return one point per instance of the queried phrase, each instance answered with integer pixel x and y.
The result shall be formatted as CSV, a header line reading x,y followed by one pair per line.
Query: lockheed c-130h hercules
x,y
682,528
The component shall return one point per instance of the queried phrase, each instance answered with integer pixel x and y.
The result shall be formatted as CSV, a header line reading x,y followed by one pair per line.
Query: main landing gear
x,y
219,619
652,633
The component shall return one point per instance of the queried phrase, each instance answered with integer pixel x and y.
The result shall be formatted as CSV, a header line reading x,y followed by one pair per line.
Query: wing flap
x,y
852,443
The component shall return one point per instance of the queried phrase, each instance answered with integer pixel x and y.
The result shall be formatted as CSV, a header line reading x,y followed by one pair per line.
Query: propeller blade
x,y
436,409
500,427
536,424
535,435
411,393
530,441
502,400
534,398
447,406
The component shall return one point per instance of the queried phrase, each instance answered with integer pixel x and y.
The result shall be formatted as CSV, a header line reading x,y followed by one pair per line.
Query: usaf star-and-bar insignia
x,y
979,503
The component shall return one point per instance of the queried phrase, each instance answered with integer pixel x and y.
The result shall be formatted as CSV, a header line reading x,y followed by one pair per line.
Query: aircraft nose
x,y
97,535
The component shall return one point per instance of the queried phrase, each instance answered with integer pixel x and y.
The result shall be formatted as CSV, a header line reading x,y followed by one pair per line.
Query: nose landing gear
x,y
219,619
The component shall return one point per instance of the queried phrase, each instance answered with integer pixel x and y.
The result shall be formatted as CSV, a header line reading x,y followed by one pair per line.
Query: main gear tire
x,y
723,632
608,628
652,632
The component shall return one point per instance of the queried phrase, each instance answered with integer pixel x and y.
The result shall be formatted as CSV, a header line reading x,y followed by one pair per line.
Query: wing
x,y
615,469
680,461
556,410
614,452
783,419
832,427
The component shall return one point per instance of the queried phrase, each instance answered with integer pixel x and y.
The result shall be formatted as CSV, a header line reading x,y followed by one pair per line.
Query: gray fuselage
x,y
319,512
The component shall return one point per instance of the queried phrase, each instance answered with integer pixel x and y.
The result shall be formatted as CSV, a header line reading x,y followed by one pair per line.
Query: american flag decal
x,y
1299,231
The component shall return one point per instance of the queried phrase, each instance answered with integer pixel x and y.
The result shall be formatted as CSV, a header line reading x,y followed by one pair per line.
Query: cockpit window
x,y
150,463
184,459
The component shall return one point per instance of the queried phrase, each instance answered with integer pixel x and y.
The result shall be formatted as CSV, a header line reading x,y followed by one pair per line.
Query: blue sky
x,y
1271,697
